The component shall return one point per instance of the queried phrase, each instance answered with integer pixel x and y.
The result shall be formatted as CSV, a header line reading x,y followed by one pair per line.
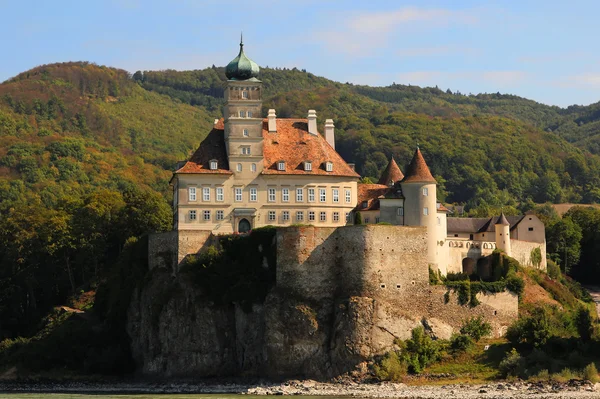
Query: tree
x,y
563,240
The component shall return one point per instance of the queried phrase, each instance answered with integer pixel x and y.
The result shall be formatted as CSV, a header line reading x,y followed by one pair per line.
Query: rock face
x,y
341,297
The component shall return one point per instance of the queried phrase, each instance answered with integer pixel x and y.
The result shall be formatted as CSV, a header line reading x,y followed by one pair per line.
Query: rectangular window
x,y
348,196
299,195
271,195
336,216
238,194
249,114
242,114
192,193
192,215
245,150
425,191
323,216
281,165
366,220
347,217
206,215
239,167
322,195
299,216
272,216
245,95
311,195
253,167
400,212
245,132
286,216
336,195
253,194
308,166
311,216
329,167
220,194
213,165
425,211
530,229
376,220
205,193
285,194
439,221
220,215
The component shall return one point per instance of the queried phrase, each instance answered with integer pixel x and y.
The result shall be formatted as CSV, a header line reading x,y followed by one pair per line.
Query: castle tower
x,y
391,174
242,114
420,203
503,234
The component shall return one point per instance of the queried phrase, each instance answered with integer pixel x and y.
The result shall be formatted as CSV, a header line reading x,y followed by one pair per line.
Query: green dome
x,y
242,67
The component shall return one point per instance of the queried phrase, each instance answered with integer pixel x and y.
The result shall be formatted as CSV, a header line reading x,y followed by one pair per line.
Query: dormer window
x,y
308,166
365,204
245,132
242,114
281,165
329,166
245,95
213,164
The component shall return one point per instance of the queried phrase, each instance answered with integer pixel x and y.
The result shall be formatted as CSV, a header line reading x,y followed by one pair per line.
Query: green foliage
x,y
461,342
242,271
390,368
421,351
536,257
532,331
583,322
358,218
476,328
434,277
512,365
553,269
590,373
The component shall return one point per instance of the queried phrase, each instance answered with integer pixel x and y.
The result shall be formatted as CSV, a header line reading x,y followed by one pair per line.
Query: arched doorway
x,y
468,266
244,226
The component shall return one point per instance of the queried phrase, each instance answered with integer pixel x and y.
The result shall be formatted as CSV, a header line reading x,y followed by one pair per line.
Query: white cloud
x,y
360,34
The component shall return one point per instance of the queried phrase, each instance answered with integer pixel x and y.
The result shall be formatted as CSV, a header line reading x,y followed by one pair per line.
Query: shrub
x,y
421,351
358,218
590,373
512,365
553,269
536,257
583,322
533,331
461,342
433,277
390,368
476,328
515,284
543,375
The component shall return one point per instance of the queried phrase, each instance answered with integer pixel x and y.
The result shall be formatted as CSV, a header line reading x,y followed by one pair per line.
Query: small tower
x,y
420,203
392,174
242,114
503,234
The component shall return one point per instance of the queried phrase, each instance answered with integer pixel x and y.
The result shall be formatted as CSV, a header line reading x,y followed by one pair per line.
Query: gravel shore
x,y
500,390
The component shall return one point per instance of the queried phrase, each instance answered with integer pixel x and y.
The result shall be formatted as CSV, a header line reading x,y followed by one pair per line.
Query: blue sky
x,y
544,50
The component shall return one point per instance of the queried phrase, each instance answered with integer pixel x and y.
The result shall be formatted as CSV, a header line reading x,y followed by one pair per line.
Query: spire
x,y
391,174
418,171
502,220
242,67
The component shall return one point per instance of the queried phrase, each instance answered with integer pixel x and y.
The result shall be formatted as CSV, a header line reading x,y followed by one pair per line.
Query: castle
x,y
252,171
343,291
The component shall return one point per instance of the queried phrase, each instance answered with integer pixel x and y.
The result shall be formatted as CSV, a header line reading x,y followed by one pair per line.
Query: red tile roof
x,y
212,147
291,143
392,173
370,193
418,171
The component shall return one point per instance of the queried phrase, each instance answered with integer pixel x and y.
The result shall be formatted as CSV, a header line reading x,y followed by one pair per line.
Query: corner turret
x,y
502,228
392,174
420,204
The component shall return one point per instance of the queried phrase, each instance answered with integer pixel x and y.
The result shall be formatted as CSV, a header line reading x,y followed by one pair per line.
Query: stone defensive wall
x,y
521,251
169,249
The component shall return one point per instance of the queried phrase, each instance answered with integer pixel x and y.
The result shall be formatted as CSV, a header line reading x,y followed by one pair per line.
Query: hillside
x,y
489,149
86,153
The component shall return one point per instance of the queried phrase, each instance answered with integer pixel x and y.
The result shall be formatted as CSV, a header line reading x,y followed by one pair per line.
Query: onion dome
x,y
242,67
418,171
502,220
391,174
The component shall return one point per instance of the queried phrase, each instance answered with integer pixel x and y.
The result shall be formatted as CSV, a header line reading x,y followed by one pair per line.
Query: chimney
x,y
272,121
329,132
312,121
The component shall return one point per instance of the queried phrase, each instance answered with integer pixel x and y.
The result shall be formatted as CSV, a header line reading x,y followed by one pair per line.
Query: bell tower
x,y
242,115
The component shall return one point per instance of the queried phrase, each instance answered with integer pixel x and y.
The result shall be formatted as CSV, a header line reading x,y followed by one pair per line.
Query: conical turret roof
x,y
502,220
391,174
241,67
418,171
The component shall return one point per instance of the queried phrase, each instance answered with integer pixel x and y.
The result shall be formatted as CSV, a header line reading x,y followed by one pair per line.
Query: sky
x,y
547,51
